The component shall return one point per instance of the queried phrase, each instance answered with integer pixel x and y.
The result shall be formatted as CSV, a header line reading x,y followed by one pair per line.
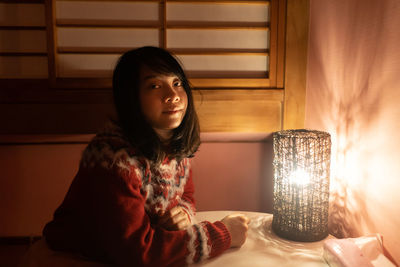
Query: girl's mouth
x,y
171,112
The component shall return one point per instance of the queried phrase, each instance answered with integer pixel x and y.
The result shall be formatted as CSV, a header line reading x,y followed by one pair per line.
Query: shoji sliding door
x,y
234,52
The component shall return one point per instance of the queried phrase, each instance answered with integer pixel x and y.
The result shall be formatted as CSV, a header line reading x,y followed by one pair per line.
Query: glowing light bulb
x,y
299,177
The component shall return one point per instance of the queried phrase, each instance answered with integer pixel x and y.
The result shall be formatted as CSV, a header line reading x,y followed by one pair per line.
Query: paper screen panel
x,y
218,38
225,65
22,14
107,10
20,41
228,12
86,65
210,49
123,29
106,38
23,41
13,67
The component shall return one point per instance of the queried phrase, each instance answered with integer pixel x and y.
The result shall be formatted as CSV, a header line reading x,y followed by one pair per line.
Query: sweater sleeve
x,y
187,201
130,239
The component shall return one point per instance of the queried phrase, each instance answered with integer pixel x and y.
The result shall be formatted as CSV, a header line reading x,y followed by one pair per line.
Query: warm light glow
x,y
353,93
358,105
299,177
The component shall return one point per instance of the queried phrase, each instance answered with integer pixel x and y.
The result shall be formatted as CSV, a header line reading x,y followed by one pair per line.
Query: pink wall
x,y
33,182
234,176
353,91
228,175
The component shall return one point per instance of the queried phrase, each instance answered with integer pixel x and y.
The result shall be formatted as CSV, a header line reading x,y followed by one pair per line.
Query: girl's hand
x,y
174,219
237,225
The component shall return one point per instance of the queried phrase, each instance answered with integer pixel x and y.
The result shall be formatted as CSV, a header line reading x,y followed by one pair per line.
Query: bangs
x,y
164,63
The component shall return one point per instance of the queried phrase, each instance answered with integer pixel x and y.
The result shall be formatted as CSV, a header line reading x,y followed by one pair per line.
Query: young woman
x,y
131,202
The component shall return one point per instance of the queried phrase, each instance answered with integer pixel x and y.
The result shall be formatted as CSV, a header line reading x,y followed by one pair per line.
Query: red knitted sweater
x,y
111,209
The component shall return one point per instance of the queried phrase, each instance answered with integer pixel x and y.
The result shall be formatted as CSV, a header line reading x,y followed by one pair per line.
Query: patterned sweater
x,y
111,209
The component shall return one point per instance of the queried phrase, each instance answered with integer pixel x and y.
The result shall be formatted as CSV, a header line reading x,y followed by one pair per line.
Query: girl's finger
x,y
168,215
182,225
178,222
173,217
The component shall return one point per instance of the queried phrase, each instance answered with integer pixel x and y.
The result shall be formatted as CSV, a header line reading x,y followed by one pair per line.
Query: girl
x,y
131,202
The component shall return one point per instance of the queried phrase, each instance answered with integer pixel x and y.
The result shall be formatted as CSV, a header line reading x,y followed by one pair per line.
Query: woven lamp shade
x,y
301,184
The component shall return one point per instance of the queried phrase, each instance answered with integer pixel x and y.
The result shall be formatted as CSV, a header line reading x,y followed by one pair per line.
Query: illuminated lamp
x,y
301,184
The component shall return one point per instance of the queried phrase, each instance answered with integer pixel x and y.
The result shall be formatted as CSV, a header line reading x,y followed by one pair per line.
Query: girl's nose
x,y
171,95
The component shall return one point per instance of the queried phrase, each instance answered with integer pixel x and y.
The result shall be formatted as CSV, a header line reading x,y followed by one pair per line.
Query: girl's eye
x,y
178,84
155,86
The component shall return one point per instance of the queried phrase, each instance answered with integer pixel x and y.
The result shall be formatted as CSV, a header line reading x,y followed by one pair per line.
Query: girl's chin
x,y
165,131
171,124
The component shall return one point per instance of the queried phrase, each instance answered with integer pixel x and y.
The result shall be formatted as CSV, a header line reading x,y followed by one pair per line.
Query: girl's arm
x,y
187,201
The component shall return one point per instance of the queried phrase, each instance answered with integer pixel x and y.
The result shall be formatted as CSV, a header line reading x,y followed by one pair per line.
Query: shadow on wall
x,y
346,50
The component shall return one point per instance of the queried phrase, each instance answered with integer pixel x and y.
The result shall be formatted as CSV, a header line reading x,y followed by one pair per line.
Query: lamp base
x,y
295,234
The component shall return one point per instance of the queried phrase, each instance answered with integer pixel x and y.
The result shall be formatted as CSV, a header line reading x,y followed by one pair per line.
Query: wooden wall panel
x,y
239,110
296,63
218,110
54,118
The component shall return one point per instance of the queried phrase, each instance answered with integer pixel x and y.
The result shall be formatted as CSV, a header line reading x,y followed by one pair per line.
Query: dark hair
x,y
126,81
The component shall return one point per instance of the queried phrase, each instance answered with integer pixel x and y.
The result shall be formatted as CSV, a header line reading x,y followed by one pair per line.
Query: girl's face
x,y
163,101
